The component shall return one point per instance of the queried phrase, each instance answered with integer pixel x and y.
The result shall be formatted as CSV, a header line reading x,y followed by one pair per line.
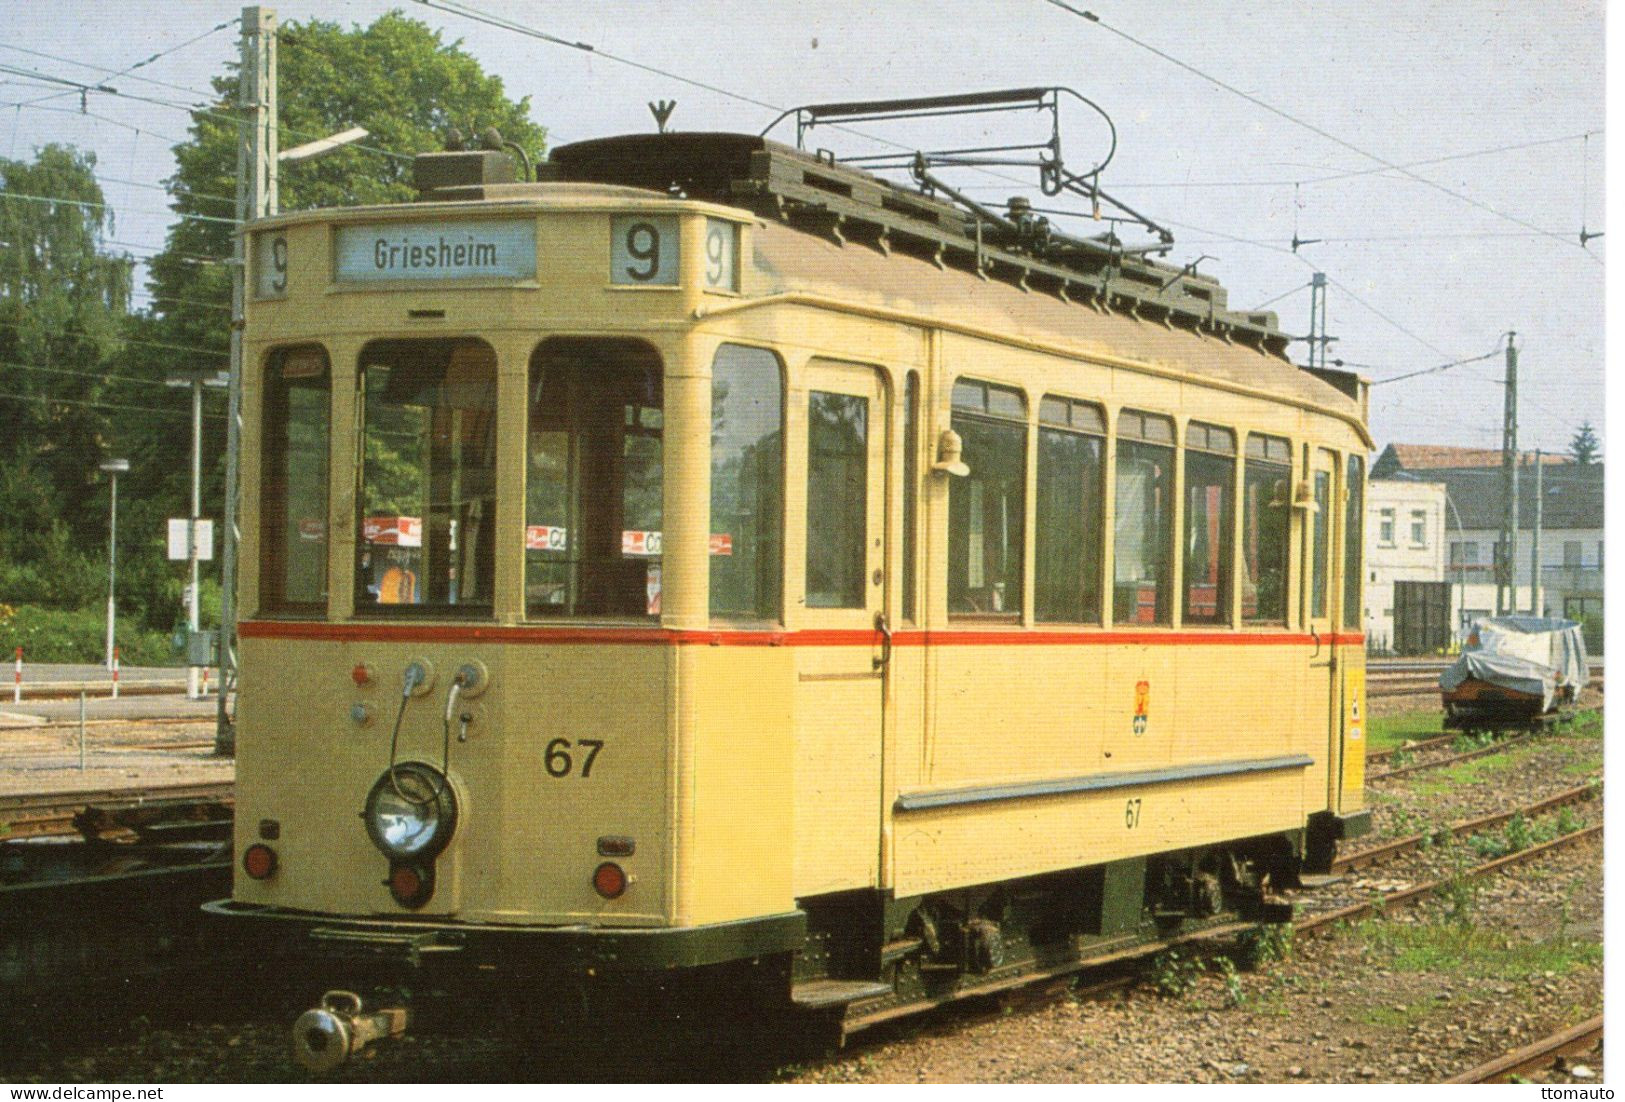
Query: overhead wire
x,y
1496,351
104,375
453,7
1279,297
108,206
1351,173
121,339
1091,17
130,71
102,118
107,405
190,108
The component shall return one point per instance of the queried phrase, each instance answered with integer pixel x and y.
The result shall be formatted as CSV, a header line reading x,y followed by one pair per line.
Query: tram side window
x,y
911,489
1142,520
1265,527
1071,511
1321,564
747,476
987,508
1353,541
594,479
293,481
837,498
1210,476
428,479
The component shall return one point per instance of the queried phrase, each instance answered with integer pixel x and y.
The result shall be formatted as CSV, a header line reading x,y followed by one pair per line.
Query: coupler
x,y
324,1038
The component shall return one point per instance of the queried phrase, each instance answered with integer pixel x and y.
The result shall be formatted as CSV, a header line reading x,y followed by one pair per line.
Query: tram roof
x,y
813,265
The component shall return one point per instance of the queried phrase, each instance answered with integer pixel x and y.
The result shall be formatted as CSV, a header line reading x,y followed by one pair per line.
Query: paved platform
x,y
51,694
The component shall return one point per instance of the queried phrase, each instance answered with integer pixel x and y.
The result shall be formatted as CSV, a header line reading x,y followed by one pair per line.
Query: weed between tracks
x,y
1479,952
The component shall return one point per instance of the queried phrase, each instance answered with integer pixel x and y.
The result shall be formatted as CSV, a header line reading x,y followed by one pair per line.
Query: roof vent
x,y
438,172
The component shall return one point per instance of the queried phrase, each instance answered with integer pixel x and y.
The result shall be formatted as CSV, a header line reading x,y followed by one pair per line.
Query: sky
x,y
1492,112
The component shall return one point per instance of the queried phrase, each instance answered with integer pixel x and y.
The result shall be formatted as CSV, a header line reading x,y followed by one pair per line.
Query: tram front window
x,y
428,479
594,479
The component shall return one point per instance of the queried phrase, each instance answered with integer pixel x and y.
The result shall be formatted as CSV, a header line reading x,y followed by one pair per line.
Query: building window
x,y
593,480
1210,509
987,508
1419,528
1142,519
1463,553
1385,527
293,481
1573,553
747,462
1266,504
1071,511
428,480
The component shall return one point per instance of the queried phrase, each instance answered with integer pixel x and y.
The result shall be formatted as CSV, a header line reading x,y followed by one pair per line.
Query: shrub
x,y
55,635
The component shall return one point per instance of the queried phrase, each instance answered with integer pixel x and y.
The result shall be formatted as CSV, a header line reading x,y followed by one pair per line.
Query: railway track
x,y
1415,679
1387,851
60,813
1211,939
1574,1041
1426,745
1454,759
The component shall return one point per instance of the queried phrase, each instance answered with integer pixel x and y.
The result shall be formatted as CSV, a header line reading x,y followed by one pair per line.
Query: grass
x,y
1406,1015
1388,732
1467,950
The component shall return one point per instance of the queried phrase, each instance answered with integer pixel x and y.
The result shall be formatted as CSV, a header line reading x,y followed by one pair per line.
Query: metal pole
x,y
192,597
81,730
1506,578
112,567
1461,568
1534,542
256,198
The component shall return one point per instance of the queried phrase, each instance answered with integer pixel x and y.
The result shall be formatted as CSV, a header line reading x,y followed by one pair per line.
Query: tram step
x,y
821,994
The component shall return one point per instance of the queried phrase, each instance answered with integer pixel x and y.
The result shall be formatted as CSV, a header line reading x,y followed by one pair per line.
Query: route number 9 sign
x,y
271,265
643,250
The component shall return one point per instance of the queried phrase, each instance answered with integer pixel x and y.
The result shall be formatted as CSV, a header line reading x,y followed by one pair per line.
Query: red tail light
x,y
259,861
410,884
609,880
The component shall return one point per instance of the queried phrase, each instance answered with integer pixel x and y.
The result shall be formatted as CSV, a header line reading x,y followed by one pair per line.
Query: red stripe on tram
x,y
815,637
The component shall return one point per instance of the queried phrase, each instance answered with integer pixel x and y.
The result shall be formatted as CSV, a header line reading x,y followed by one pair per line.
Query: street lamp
x,y
114,467
197,381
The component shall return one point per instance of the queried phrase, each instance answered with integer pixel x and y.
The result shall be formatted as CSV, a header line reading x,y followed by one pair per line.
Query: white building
x,y
1469,483
1404,541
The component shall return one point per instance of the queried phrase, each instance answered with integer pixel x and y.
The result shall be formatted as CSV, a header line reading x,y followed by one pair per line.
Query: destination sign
x,y
391,252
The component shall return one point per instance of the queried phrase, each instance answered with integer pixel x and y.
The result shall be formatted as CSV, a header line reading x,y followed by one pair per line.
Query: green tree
x,y
396,78
408,88
63,298
1585,447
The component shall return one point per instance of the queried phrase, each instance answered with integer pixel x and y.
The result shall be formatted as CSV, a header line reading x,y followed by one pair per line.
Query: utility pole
x,y
1534,545
195,380
1318,340
256,198
1506,590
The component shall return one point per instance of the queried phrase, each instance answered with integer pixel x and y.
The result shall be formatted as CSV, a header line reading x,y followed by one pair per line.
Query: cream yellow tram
x,y
712,557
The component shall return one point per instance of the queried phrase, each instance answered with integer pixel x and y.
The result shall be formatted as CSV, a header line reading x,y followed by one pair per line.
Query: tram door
x,y
1319,542
841,671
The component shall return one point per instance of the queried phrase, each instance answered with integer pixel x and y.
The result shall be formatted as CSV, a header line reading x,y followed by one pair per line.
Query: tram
x,y
710,558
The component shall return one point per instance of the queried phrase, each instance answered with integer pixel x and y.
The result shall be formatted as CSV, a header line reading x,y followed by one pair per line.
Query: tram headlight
x,y
411,812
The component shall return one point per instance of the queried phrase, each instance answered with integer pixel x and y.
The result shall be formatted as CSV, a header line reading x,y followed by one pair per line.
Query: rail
x,y
38,815
1534,1057
1387,851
